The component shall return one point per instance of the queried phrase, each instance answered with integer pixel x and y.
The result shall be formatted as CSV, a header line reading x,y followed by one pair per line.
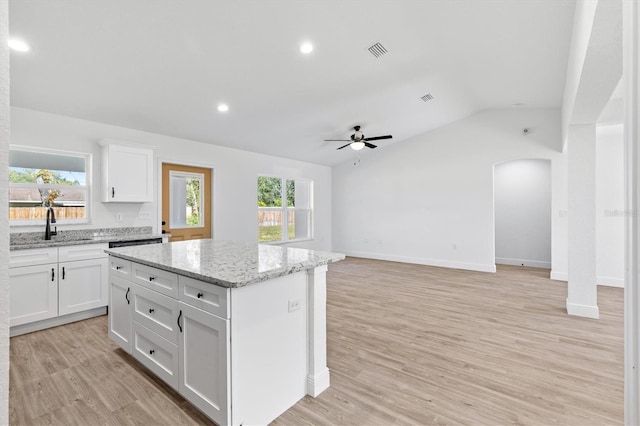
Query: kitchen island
x,y
238,329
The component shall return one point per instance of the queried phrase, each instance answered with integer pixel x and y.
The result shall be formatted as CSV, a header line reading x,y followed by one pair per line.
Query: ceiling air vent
x,y
377,50
427,97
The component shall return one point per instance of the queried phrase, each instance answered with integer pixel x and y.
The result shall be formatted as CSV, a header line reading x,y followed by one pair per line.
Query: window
x,y
284,209
40,178
186,199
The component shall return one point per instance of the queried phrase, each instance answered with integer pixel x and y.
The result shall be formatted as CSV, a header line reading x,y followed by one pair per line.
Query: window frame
x,y
284,228
88,161
200,177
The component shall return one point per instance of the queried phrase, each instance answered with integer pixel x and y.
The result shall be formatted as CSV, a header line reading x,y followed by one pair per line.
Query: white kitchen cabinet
x,y
127,173
205,362
53,286
33,293
82,285
120,311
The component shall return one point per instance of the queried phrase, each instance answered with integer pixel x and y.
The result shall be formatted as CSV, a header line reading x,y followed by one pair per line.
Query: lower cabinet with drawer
x,y
160,319
53,286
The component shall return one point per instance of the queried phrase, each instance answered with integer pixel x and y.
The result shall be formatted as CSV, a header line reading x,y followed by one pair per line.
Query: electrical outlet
x,y
294,305
118,217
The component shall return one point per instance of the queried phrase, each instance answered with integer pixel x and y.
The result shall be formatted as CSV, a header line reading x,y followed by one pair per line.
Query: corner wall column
x,y
631,68
582,299
317,371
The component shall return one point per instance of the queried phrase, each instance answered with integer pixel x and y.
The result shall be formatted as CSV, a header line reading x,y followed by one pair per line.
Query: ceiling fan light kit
x,y
358,141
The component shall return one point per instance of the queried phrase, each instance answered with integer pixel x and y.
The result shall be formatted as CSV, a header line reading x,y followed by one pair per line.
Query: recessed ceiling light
x,y
223,107
517,105
19,45
306,48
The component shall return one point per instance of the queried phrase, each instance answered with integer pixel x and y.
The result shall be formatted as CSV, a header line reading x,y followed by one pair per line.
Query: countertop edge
x,y
223,283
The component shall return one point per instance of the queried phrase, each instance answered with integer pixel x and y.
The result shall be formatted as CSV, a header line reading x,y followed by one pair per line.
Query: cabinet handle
x,y
53,274
63,273
152,278
200,295
118,267
126,296
151,310
113,192
151,351
180,316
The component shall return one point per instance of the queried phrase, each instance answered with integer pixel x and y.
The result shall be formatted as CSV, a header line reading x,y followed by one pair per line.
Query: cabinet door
x,y
120,311
82,285
33,293
129,174
204,362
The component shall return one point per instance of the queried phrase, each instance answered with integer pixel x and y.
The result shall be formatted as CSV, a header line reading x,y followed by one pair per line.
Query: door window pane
x,y
186,198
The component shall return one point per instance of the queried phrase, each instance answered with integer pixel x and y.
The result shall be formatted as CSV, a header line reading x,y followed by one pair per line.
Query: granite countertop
x,y
30,240
226,263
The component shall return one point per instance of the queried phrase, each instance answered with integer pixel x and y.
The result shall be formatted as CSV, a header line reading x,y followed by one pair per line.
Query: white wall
x,y
234,175
610,205
429,200
523,213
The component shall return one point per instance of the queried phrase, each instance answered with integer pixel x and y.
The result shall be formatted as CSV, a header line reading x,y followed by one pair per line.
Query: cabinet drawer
x,y
82,252
156,353
120,267
206,296
157,312
156,279
31,257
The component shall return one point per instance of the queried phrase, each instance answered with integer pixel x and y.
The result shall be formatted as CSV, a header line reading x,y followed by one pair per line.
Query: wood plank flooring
x,y
407,344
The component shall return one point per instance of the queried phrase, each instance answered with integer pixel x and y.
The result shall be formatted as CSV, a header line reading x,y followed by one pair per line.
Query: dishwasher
x,y
138,242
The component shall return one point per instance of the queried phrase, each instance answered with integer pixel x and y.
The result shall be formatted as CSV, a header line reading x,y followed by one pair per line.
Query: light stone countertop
x,y
226,263
30,240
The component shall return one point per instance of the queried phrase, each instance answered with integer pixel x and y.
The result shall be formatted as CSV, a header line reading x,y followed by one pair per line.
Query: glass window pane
x,y
269,192
299,224
28,203
291,193
269,225
185,199
302,194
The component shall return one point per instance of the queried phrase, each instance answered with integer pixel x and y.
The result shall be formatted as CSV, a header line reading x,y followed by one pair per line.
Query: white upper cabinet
x,y
127,173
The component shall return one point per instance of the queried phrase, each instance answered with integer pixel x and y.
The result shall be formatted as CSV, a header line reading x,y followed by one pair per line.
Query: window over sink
x,y
41,178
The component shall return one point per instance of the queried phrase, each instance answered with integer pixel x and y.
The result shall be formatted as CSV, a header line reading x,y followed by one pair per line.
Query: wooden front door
x,y
186,202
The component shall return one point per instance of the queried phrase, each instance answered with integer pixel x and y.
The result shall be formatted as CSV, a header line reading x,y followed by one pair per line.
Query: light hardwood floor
x,y
407,344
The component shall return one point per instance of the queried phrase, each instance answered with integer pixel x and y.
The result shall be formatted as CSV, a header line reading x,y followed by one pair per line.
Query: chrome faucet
x,y
51,218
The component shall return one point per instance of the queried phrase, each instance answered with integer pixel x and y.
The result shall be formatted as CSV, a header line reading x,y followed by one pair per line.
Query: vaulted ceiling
x,y
163,66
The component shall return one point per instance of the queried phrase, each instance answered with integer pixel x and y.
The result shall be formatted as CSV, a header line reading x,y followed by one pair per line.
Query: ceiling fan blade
x,y
370,145
344,146
336,140
377,138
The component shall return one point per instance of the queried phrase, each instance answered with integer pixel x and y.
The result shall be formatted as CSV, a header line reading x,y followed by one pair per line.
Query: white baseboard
x,y
559,276
421,261
17,330
318,383
610,281
587,311
523,262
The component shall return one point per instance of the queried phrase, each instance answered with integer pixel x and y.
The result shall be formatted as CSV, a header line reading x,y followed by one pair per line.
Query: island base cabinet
x,y
204,362
33,294
120,311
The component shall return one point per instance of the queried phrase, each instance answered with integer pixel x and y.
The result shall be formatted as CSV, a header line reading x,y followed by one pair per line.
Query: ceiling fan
x,y
358,141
